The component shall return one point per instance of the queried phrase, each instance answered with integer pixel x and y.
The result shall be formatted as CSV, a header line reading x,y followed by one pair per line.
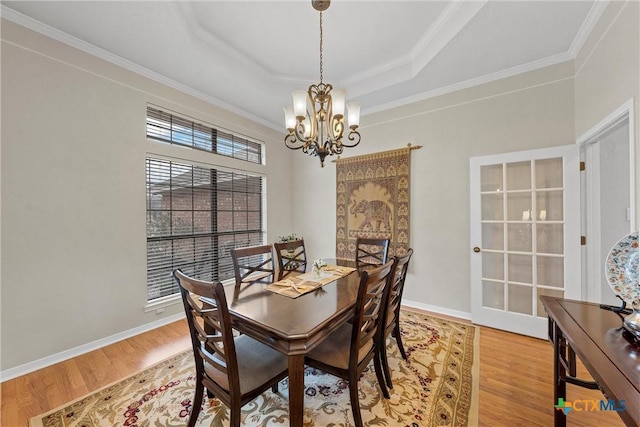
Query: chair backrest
x,y
371,252
253,264
211,335
396,287
369,311
292,256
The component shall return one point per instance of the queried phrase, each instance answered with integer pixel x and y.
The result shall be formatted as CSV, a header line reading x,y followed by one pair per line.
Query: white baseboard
x,y
26,368
439,310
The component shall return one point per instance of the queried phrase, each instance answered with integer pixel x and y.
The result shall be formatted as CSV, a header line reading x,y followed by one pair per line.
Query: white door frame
x,y
591,223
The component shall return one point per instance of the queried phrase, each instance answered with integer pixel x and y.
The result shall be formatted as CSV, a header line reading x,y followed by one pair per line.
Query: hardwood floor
x,y
40,391
516,384
515,379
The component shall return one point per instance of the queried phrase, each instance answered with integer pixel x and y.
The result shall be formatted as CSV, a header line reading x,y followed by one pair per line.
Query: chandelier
x,y
317,127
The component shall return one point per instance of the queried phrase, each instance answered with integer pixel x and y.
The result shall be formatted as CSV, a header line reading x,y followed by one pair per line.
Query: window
x,y
170,128
195,216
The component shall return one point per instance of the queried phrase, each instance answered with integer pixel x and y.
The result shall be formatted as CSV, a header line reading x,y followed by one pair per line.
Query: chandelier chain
x,y
321,47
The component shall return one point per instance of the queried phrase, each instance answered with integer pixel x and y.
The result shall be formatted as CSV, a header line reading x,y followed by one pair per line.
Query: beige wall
x,y
528,111
72,176
539,109
73,193
608,73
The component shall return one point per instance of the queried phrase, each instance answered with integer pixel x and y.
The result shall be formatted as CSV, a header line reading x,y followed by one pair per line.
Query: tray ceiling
x,y
247,56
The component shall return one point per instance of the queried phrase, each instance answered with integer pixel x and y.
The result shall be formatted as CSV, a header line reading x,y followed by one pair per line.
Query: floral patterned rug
x,y
437,386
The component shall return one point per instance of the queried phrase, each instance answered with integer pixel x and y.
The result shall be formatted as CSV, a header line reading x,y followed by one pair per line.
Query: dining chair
x,y
235,370
349,349
390,326
253,264
291,256
371,252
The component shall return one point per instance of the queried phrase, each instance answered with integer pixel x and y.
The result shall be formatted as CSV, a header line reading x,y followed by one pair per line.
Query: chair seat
x,y
334,351
257,363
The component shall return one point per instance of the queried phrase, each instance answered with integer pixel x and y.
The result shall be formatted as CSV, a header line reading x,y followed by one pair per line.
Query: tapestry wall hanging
x,y
372,194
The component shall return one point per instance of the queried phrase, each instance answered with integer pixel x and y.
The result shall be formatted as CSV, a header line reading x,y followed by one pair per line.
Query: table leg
x,y
559,375
296,389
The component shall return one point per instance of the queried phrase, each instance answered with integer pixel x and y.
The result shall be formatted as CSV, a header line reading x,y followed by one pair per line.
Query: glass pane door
x,y
521,209
522,234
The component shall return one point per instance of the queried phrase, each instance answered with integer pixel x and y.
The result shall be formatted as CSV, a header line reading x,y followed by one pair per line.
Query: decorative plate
x,y
621,269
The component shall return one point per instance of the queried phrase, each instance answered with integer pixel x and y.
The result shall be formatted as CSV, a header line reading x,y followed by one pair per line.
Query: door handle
x,y
476,249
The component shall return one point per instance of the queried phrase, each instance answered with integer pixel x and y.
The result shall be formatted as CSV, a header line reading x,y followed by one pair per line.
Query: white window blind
x,y
167,127
195,216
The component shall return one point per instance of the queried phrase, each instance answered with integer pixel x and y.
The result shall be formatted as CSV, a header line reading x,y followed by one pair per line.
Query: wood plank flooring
x,y
515,379
516,384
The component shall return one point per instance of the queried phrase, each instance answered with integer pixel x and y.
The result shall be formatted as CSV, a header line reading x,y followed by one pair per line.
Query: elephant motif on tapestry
x,y
376,213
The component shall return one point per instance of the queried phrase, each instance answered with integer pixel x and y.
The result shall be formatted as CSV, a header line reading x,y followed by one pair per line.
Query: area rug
x,y
437,386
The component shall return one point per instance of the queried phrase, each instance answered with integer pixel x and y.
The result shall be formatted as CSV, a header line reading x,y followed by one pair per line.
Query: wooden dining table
x,y
595,335
294,326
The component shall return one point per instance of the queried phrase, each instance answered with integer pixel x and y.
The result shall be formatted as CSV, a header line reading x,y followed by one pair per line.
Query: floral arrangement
x,y
289,238
319,264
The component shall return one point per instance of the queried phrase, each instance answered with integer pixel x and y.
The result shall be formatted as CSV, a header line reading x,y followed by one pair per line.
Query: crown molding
x,y
453,19
594,15
487,78
447,25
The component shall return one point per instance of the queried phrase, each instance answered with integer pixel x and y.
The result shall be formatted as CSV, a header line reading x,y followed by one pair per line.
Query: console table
x,y
595,336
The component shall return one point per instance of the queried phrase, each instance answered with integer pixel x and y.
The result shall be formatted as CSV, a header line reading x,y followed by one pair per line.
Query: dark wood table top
x,y
611,357
294,325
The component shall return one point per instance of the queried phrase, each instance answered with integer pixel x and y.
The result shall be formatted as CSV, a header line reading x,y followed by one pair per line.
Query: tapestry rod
x,y
411,147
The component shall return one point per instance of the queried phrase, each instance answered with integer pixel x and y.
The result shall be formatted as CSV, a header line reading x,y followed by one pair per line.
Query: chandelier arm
x,y
299,132
312,115
354,135
291,142
330,119
337,128
298,136
337,147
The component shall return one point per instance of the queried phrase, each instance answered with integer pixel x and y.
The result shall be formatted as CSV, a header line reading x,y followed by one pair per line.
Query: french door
x,y
525,236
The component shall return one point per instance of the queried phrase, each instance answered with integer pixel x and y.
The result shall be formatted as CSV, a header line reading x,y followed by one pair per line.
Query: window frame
x,y
168,127
172,153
